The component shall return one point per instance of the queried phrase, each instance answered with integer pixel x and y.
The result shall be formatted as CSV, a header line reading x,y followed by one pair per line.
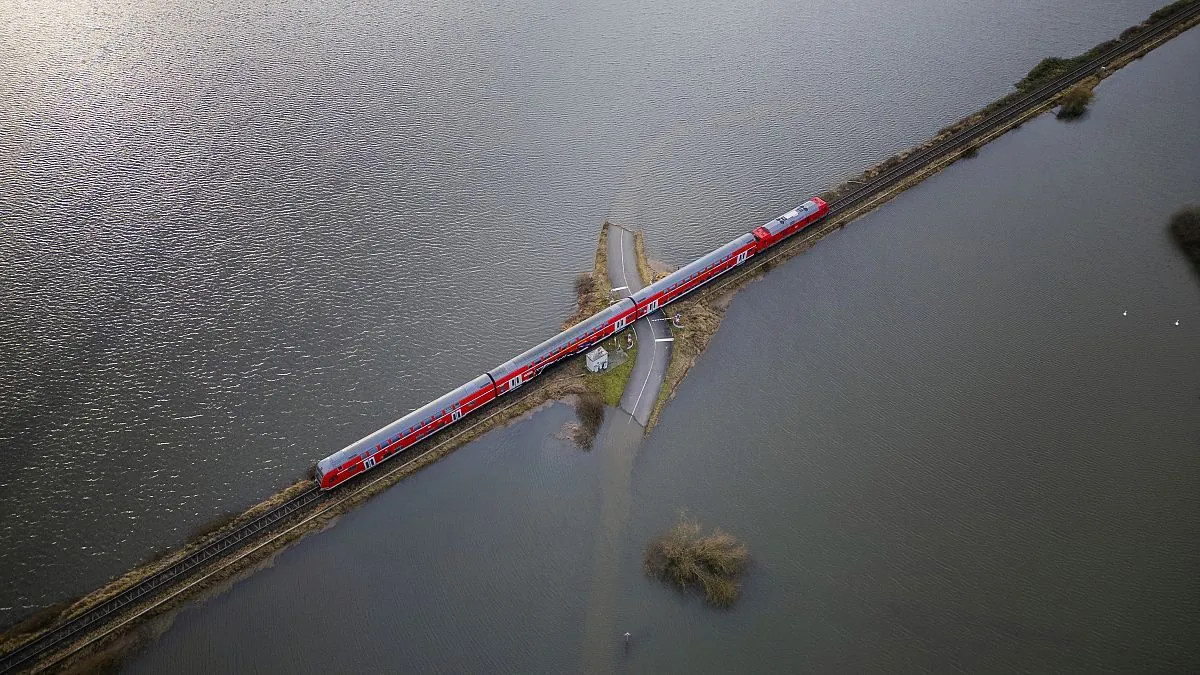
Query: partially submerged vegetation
x,y
1185,227
686,558
41,619
643,263
592,289
610,384
590,410
1075,101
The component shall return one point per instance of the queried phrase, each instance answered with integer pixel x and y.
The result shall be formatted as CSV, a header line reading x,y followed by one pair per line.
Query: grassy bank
x,y
1075,102
592,288
687,559
610,384
643,263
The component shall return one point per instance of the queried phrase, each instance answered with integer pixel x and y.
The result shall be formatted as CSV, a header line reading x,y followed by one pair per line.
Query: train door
x,y
368,462
515,382
742,257
455,415
653,306
619,325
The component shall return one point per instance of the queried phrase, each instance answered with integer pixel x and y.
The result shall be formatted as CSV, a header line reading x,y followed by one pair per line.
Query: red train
x,y
365,453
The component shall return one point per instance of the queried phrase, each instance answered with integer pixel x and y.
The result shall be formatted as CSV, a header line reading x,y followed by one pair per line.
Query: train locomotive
x,y
365,453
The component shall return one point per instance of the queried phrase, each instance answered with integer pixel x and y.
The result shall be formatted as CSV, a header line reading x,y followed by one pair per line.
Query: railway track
x,y
309,503
153,585
45,643
961,139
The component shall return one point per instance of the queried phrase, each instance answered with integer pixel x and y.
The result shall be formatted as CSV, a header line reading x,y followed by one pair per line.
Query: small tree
x,y
591,415
585,283
1075,102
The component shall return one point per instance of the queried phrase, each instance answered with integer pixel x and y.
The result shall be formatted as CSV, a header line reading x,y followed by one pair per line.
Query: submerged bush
x,y
585,283
1075,102
1185,227
685,558
591,415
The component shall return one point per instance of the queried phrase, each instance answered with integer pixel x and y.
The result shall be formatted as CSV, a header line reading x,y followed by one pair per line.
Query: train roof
x,y
566,337
394,429
695,266
800,212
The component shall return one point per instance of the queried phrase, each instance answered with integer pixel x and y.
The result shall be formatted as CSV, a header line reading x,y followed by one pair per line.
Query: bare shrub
x,y
1075,102
685,558
591,415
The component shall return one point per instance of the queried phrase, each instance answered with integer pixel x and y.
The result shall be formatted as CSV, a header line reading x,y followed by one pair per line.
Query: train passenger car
x,y
790,223
390,440
697,273
577,338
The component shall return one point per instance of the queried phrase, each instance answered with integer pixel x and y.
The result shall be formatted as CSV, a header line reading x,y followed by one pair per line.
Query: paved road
x,y
653,332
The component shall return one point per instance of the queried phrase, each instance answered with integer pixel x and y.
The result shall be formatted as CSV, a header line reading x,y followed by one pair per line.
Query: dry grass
x,y
214,525
643,263
40,620
701,316
684,557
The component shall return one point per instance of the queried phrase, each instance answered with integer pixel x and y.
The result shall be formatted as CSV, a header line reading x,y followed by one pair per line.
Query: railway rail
x,y
155,584
961,139
311,502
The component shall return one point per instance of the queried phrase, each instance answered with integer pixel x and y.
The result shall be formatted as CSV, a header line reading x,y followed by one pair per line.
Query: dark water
x,y
233,239
961,434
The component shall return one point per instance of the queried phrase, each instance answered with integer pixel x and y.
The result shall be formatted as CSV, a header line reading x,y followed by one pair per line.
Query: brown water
x,y
961,434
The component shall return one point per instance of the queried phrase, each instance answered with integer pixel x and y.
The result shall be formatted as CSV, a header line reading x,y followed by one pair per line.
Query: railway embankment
x,y
703,312
104,647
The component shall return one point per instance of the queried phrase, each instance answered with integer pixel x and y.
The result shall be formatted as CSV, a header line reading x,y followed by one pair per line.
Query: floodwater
x,y
961,434
233,240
